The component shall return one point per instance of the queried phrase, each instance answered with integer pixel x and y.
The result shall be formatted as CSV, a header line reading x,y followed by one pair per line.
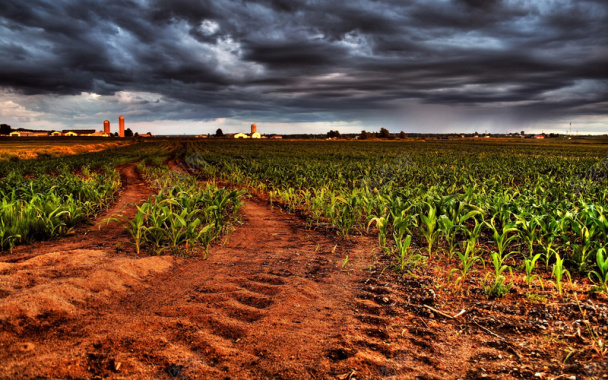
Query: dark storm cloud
x,y
272,57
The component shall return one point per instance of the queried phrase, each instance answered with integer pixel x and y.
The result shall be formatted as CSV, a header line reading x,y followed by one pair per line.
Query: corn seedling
x,y
527,228
382,225
559,272
345,262
530,265
467,260
402,247
501,237
497,288
135,227
549,230
448,229
601,274
429,226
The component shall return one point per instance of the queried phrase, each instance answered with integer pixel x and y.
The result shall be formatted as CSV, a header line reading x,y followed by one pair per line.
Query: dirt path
x,y
273,302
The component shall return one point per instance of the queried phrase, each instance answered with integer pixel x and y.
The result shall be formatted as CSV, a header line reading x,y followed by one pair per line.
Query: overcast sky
x,y
192,66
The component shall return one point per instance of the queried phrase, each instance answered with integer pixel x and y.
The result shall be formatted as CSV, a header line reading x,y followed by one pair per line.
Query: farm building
x,y
78,132
29,134
253,135
67,132
99,134
22,134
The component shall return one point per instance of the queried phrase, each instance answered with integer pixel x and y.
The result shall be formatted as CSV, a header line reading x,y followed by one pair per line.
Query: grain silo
x,y
254,128
106,126
121,126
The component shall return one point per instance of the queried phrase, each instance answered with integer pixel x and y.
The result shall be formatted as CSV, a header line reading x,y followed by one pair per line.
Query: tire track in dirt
x,y
271,303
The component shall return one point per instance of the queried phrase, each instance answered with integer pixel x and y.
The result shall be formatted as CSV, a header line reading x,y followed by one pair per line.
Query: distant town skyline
x,y
303,66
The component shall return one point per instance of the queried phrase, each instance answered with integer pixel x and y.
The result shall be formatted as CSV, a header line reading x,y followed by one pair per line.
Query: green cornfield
x,y
510,204
527,208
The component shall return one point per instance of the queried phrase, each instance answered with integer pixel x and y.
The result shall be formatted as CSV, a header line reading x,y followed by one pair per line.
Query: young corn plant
x,y
559,272
53,222
581,251
382,225
501,237
498,288
197,234
346,217
156,232
530,265
177,231
448,229
474,234
601,274
402,247
467,260
403,223
527,229
135,227
429,226
7,240
549,229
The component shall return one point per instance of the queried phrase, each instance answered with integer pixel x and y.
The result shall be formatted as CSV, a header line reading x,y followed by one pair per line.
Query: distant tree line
x,y
383,134
5,129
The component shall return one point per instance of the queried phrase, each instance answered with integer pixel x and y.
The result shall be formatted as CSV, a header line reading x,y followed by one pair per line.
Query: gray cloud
x,y
313,60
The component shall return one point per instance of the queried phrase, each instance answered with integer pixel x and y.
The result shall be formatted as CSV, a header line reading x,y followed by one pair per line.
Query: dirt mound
x,y
59,283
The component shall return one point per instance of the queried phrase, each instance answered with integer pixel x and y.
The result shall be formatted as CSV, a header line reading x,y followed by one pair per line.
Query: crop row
x,y
183,214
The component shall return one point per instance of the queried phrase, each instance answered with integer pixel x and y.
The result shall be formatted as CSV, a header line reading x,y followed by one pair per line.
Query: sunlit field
x,y
25,148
